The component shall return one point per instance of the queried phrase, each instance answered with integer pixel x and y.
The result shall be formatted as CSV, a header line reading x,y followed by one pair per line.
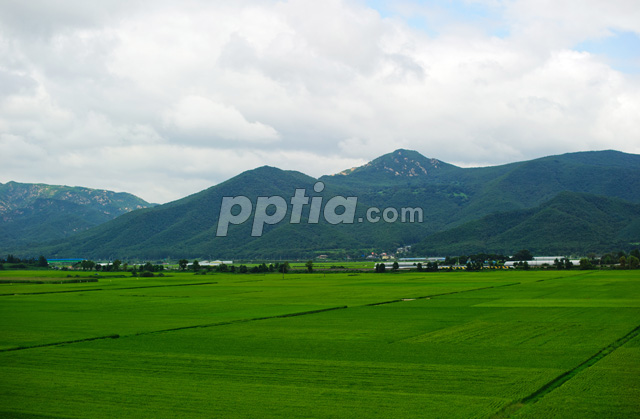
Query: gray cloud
x,y
163,100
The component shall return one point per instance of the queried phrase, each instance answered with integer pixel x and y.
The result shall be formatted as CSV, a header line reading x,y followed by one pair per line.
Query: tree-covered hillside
x,y
520,200
33,213
570,223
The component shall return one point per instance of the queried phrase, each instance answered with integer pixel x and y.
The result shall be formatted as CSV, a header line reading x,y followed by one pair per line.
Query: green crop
x,y
530,344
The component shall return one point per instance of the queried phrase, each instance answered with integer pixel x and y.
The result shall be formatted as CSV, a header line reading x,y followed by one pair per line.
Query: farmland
x,y
485,344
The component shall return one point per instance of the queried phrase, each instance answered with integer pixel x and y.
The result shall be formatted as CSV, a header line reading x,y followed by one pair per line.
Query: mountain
x,y
569,223
449,197
183,227
527,184
452,195
34,213
188,226
402,165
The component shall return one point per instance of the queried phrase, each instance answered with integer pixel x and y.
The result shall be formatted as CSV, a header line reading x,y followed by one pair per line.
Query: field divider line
x,y
237,321
50,292
547,388
401,300
568,276
55,281
109,289
43,345
161,286
174,329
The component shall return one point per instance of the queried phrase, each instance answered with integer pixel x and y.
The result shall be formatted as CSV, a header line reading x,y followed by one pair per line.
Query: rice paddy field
x,y
459,344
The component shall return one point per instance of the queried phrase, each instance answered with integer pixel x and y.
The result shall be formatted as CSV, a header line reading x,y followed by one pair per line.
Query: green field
x,y
484,344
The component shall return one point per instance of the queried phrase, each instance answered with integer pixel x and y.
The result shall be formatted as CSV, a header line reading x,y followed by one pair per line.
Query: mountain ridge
x,y
568,223
449,196
34,212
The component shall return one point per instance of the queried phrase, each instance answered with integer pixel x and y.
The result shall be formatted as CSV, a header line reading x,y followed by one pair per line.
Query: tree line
x,y
480,261
14,262
195,266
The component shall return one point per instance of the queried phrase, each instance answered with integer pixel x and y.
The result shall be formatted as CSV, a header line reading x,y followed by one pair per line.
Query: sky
x,y
163,99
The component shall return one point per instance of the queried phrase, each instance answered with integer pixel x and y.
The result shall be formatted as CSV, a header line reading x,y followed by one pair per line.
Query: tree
x,y
87,265
474,266
116,264
567,263
585,264
284,267
559,265
42,262
309,266
395,266
623,262
523,254
633,262
419,267
607,259
183,263
196,265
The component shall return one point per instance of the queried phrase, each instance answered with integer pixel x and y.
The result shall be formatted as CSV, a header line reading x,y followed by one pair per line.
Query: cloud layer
x,y
163,100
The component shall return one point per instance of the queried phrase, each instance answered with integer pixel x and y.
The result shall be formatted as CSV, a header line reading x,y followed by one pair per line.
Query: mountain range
x,y
34,213
572,203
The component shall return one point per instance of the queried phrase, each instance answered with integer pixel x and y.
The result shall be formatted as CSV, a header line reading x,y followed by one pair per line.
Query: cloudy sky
x,y
163,98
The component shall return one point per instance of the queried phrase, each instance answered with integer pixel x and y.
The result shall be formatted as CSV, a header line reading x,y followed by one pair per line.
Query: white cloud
x,y
202,118
163,99
570,21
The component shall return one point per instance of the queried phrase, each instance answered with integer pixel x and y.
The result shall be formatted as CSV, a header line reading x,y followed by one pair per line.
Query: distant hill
x,y
401,166
530,183
570,223
33,213
518,195
183,227
465,194
188,226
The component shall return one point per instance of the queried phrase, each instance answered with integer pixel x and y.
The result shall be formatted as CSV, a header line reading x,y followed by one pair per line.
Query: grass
x,y
461,345
608,388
